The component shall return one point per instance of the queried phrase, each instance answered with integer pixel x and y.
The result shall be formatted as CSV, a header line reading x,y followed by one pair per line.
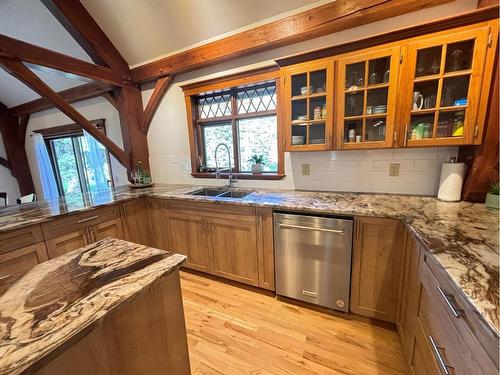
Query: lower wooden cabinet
x,y
439,331
67,242
188,235
410,295
234,250
135,221
234,242
21,260
377,265
74,240
111,228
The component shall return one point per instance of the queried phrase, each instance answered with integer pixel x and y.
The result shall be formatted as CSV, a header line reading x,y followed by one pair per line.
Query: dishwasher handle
x,y
301,227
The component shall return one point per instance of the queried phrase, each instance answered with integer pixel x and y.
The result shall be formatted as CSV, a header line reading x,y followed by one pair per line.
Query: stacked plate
x,y
317,141
379,109
298,139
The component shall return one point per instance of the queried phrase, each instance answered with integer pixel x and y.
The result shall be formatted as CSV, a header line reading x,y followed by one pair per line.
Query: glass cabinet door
x,y
309,98
366,95
444,83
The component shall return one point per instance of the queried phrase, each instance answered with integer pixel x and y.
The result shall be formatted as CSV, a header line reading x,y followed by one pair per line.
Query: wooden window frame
x,y
232,84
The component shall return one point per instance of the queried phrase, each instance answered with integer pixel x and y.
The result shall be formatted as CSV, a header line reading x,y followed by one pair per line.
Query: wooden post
x,y
15,150
135,142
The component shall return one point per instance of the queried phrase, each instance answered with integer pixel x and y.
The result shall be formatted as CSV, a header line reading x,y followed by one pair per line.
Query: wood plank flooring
x,y
237,331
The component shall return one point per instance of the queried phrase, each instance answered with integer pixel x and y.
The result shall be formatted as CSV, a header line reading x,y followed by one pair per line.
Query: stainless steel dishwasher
x,y
313,259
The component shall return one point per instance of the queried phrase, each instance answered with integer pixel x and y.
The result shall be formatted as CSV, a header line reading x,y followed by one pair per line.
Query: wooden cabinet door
x,y
188,235
308,104
135,221
378,255
67,242
265,247
441,92
410,295
366,85
112,228
21,260
158,224
233,250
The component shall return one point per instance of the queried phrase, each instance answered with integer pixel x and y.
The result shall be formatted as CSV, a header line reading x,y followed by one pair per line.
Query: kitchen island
x,y
113,307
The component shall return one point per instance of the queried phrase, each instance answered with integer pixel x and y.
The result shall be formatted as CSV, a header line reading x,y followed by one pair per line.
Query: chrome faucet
x,y
230,170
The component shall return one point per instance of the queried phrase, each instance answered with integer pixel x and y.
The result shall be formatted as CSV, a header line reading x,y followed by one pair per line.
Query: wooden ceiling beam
x,y
457,20
74,94
29,53
84,29
4,162
312,23
17,69
23,126
159,92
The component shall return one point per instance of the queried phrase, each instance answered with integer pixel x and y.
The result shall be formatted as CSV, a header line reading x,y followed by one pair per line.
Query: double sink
x,y
221,193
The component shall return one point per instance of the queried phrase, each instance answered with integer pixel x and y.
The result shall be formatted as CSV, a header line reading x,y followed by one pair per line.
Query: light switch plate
x,y
394,169
306,169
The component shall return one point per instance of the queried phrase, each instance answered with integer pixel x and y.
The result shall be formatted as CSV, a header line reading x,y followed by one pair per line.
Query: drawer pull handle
x,y
438,356
456,311
88,219
301,227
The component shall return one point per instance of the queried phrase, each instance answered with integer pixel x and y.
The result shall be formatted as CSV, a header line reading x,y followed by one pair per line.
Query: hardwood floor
x,y
237,331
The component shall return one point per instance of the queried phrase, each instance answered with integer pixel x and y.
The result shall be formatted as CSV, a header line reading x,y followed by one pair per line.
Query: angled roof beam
x,y
159,92
322,20
29,53
4,162
74,94
84,29
30,79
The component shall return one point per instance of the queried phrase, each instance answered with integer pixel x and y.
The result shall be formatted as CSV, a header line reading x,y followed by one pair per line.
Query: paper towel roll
x,y
450,184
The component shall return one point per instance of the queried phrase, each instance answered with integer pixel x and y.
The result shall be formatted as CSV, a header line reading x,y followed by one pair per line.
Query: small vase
x,y
492,201
257,169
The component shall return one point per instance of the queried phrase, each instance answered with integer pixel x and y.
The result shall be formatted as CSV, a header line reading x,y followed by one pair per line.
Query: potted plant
x,y
257,163
493,198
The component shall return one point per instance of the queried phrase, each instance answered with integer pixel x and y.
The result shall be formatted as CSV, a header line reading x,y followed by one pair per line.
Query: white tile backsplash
x,y
368,170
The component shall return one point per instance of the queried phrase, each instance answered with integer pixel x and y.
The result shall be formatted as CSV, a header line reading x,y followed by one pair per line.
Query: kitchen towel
x,y
450,184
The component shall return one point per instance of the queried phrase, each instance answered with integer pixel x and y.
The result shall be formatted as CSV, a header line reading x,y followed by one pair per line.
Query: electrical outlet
x,y
306,169
394,169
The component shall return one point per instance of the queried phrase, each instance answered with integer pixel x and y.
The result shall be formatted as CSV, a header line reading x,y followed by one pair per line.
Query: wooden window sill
x,y
241,176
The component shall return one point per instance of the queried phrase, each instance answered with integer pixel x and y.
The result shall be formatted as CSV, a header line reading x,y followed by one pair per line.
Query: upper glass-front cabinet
x,y
443,88
308,106
366,98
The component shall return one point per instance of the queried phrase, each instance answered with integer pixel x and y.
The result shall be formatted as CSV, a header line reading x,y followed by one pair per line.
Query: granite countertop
x,y
463,237
62,298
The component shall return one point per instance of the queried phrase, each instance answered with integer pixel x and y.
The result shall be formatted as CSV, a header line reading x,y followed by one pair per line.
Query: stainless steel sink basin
x,y
234,194
207,192
221,193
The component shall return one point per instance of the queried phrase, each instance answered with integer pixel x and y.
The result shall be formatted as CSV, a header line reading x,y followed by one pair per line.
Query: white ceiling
x,y
30,21
140,29
158,27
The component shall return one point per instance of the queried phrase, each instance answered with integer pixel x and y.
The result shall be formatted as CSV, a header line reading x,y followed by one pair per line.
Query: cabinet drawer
x,y
215,210
71,223
18,238
466,320
451,354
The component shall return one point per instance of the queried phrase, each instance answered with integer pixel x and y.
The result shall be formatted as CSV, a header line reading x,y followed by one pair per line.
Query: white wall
x,y
92,109
8,183
365,171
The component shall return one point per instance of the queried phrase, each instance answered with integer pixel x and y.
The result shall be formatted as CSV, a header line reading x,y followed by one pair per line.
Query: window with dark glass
x,y
243,118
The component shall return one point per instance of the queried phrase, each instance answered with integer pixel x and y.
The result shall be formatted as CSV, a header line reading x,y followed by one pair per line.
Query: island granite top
x,y
59,299
462,236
